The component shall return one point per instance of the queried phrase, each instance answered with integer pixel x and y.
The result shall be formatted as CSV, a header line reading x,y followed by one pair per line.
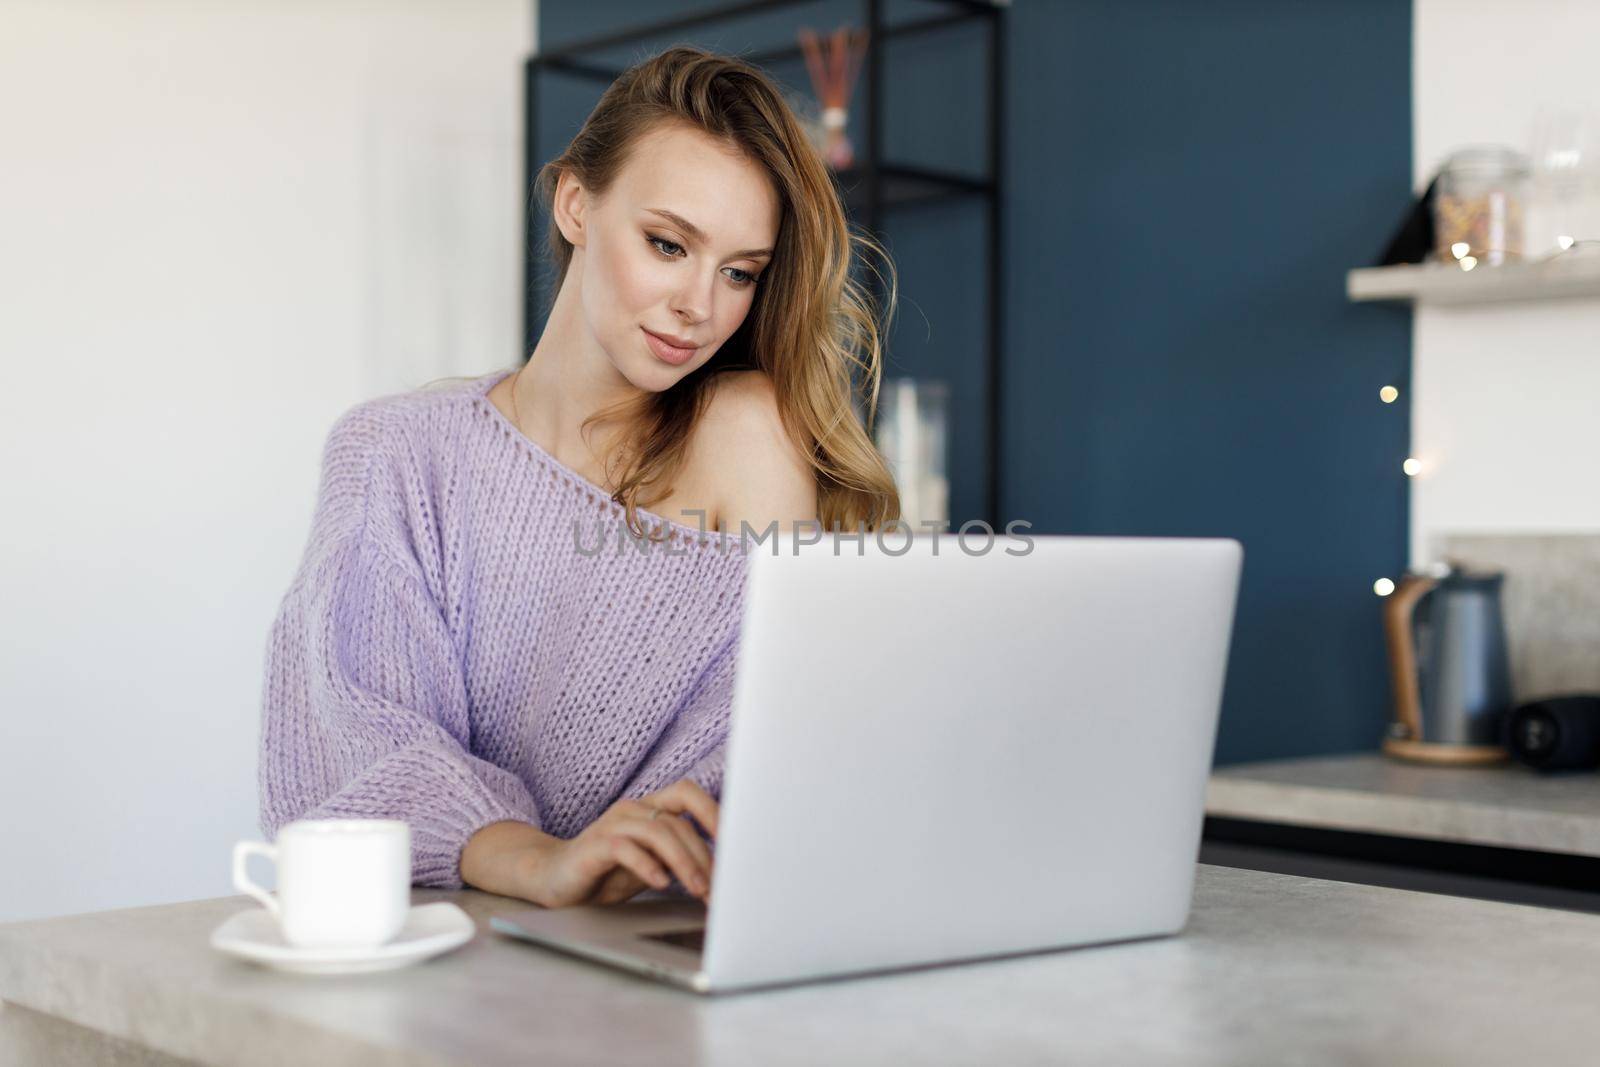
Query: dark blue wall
x,y
1186,185
1189,183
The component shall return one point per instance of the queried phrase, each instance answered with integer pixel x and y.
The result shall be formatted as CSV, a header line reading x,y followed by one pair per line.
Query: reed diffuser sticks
x,y
833,69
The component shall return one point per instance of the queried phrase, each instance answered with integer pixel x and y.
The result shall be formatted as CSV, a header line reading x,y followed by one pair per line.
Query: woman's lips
x,y
667,353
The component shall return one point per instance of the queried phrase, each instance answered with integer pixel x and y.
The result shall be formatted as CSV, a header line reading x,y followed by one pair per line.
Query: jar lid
x,y
1487,159
1453,571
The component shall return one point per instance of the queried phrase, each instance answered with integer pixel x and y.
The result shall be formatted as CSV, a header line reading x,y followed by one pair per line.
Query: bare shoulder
x,y
742,402
759,473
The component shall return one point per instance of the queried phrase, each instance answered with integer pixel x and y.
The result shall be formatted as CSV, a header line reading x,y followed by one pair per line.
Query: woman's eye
x,y
672,248
659,241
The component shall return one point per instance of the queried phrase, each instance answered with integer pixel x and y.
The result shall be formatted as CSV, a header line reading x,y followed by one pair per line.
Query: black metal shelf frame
x,y
868,189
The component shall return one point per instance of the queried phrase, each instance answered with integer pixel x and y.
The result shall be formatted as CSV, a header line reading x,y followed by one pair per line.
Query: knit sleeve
x,y
365,712
696,742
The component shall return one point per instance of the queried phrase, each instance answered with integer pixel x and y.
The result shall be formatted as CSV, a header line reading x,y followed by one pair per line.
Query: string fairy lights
x,y
1466,257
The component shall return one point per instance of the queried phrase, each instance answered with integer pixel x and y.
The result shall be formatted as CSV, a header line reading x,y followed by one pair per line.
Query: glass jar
x,y
911,433
1478,207
1564,192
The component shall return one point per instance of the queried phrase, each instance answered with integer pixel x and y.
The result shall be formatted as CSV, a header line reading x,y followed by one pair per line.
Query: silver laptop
x,y
945,755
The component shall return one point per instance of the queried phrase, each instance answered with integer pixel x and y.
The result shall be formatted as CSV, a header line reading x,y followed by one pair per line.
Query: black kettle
x,y
1450,666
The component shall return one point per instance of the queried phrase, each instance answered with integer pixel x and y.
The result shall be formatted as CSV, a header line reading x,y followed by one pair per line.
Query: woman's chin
x,y
653,375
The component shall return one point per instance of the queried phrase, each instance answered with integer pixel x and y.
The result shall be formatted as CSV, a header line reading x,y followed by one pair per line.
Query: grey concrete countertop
x,y
1272,969
1509,805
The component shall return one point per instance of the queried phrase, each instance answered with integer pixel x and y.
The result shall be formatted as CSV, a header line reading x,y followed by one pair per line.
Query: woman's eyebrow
x,y
697,234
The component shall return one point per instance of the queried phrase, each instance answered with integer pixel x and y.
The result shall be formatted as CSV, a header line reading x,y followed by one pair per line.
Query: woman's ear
x,y
569,208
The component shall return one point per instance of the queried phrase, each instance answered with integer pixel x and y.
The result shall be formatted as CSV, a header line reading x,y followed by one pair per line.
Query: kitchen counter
x,y
1505,806
1272,969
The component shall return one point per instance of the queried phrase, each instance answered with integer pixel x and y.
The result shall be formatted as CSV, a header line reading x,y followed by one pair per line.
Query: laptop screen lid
x,y
951,754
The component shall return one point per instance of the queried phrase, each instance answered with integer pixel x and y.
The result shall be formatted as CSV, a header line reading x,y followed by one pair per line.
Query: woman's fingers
x,y
639,848
685,796
618,886
691,841
633,856
665,843
625,880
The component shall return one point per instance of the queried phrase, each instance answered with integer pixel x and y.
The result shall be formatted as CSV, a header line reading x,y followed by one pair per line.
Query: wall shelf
x,y
1572,275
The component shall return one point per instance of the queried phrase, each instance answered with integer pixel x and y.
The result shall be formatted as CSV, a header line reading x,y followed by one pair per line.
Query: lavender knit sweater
x,y
453,651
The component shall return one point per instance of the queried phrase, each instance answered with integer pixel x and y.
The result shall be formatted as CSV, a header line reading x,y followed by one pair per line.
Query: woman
x,y
462,646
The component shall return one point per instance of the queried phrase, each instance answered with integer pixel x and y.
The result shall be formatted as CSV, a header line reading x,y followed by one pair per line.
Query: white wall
x,y
220,225
1504,398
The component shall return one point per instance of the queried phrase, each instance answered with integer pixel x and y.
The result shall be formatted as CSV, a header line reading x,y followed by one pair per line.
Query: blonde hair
x,y
812,328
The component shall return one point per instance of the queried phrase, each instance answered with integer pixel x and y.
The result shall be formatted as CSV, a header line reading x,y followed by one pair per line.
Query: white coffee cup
x,y
342,883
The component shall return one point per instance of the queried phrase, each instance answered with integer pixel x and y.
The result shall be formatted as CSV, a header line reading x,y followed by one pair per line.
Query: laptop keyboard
x,y
694,938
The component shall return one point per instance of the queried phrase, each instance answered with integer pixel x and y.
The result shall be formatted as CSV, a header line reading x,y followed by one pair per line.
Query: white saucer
x,y
254,935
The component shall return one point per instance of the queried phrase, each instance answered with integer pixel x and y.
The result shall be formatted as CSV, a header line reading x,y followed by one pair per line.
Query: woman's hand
x,y
627,850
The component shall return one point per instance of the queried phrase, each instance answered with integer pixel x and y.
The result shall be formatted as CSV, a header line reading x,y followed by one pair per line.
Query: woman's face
x,y
674,248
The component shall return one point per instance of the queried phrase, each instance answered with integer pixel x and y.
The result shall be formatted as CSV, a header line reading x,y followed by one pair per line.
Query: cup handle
x,y
241,877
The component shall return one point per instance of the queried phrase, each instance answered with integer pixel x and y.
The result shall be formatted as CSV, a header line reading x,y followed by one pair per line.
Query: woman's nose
x,y
693,303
